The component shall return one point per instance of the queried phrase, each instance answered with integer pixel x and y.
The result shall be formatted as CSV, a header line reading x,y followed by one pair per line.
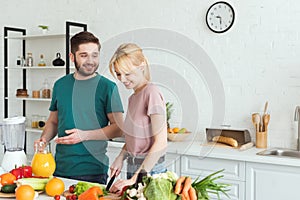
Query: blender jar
x,y
13,133
13,139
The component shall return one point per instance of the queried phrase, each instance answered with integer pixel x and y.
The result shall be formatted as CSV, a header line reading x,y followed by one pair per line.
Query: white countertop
x,y
197,149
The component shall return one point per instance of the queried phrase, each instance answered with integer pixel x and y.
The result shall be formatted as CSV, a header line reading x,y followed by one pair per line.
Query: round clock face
x,y
220,17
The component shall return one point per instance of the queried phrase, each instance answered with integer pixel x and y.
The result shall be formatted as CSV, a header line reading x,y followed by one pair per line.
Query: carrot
x,y
185,195
179,185
192,194
182,197
187,185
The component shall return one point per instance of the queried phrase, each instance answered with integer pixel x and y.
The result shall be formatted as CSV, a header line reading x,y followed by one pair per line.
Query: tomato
x,y
124,190
57,197
73,197
72,189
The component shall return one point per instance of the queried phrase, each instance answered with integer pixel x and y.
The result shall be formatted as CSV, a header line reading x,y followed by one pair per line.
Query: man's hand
x,y
74,136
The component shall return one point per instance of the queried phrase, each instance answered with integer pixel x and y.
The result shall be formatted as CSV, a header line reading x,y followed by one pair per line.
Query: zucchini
x,y
9,188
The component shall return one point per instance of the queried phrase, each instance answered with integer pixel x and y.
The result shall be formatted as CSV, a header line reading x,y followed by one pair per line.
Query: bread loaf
x,y
225,140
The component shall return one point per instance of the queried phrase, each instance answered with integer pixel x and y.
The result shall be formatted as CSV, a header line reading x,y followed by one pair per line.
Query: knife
x,y
110,182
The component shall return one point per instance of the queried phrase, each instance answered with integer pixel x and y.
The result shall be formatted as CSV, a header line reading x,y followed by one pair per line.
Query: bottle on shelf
x,y
42,62
34,121
19,61
46,92
29,60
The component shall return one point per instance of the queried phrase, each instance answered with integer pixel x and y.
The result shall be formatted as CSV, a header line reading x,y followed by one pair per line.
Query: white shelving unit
x,y
32,77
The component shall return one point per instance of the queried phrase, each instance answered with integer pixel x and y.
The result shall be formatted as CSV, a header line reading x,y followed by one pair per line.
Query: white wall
x,y
257,59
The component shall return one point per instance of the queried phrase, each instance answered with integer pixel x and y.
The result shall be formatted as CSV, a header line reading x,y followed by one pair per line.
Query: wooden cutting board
x,y
12,195
109,196
240,147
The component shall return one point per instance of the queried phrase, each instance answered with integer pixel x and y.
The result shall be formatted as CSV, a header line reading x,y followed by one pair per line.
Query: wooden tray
x,y
12,195
109,196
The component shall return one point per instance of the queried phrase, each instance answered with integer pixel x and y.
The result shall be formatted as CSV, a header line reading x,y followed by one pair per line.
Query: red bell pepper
x,y
27,171
17,172
22,172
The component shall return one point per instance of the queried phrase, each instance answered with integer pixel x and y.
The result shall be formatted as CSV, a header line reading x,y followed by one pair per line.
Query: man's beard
x,y
82,72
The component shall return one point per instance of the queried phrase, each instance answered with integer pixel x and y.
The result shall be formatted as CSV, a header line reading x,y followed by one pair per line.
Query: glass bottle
x,y
34,121
42,62
46,92
19,61
42,122
43,163
29,60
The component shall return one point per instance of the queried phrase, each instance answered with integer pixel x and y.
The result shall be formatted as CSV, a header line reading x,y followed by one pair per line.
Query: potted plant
x,y
44,28
169,112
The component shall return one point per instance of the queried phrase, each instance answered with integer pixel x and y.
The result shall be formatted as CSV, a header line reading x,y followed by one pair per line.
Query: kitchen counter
x,y
204,150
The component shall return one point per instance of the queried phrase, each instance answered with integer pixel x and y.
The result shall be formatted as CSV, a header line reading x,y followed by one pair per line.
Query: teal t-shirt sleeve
x,y
114,100
53,105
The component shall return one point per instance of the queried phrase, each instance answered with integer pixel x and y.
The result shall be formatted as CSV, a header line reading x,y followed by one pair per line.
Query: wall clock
x,y
220,17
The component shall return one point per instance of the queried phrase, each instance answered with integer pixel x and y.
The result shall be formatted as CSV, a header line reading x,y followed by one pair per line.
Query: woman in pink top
x,y
145,127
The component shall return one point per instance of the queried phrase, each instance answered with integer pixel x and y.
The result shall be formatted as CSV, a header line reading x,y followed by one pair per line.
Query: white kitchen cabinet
x,y
173,163
234,173
269,181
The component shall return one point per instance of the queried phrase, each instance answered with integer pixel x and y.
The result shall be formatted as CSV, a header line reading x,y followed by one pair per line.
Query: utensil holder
x,y
261,139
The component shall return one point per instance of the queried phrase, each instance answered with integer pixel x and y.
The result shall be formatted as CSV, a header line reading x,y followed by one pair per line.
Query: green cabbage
x,y
159,189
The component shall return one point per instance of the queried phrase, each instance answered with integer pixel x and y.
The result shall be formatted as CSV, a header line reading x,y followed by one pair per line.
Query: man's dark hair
x,y
83,38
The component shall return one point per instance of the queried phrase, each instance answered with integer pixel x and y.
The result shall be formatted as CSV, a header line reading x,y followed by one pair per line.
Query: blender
x,y
13,138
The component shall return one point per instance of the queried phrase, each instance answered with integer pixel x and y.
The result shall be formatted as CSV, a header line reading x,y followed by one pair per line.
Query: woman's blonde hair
x,y
126,55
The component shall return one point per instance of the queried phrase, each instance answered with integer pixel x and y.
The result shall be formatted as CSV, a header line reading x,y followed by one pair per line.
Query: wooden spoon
x,y
266,107
266,120
256,121
265,112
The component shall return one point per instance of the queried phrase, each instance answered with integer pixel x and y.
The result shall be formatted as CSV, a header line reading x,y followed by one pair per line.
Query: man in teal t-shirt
x,y
85,112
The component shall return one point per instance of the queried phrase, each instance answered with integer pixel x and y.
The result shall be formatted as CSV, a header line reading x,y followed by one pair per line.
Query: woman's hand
x,y
120,184
116,167
74,136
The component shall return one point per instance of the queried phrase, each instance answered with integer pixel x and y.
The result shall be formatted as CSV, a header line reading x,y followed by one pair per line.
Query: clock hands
x,y
220,19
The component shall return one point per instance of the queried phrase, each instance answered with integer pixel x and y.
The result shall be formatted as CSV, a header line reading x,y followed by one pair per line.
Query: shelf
x,y
39,67
34,37
33,99
33,130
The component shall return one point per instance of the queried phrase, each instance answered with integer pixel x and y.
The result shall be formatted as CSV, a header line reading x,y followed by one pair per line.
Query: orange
x,y
176,129
170,130
7,178
55,187
25,192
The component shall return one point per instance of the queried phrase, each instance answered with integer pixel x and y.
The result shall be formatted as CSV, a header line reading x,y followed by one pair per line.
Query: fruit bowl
x,y
178,137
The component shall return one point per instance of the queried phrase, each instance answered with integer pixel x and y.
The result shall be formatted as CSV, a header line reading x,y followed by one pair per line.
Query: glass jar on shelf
x,y
41,122
34,121
46,92
42,62
29,60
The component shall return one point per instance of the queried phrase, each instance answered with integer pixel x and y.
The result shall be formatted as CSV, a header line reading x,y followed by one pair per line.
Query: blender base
x,y
12,159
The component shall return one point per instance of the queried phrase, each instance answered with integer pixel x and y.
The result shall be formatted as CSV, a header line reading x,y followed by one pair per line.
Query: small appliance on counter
x,y
231,137
13,139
